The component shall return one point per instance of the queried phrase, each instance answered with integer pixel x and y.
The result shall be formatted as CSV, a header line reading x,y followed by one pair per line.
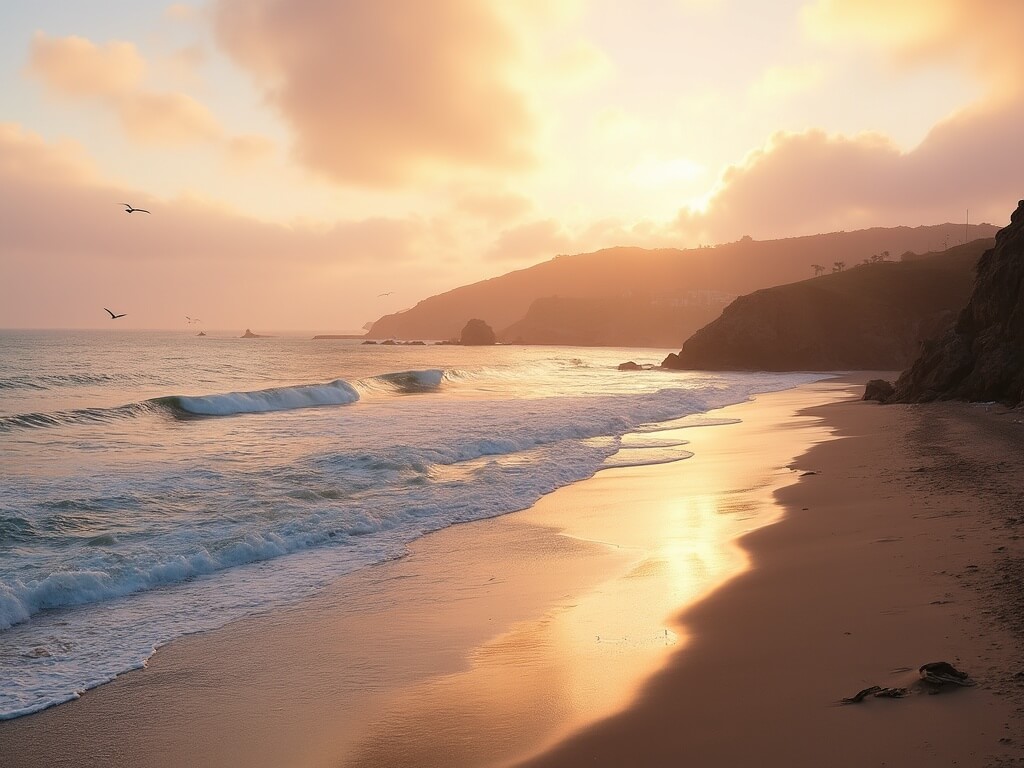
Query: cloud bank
x,y
812,182
112,74
385,93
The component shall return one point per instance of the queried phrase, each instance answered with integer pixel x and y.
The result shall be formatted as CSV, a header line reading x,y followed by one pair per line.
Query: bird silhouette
x,y
113,316
128,208
384,294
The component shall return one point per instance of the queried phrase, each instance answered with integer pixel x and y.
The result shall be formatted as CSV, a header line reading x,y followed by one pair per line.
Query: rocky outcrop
x,y
385,343
879,390
871,317
981,358
477,333
250,335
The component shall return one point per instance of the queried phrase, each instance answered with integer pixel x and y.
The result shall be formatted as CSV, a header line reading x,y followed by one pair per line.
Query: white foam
x,y
217,527
338,392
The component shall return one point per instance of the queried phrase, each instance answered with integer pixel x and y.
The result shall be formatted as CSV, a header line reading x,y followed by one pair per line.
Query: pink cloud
x,y
74,66
381,93
245,151
983,34
112,75
531,242
234,269
166,118
812,182
26,157
807,182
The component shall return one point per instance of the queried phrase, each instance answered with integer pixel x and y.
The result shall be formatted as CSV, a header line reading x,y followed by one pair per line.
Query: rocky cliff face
x,y
873,317
982,357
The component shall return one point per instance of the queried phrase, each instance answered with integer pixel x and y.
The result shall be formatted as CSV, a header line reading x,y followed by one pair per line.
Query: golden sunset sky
x,y
301,157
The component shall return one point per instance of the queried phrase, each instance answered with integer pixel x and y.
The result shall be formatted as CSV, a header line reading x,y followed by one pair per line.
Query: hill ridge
x,y
633,273
871,317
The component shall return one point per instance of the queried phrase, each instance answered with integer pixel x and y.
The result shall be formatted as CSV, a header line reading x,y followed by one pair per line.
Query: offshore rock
x,y
672,361
477,333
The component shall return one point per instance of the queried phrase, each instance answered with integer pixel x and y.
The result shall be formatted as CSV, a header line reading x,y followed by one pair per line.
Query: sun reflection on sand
x,y
671,532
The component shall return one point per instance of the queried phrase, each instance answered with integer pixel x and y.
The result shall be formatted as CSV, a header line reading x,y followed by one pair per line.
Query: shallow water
x,y
157,484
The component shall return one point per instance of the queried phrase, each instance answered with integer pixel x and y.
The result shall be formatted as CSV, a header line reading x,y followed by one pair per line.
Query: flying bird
x,y
113,316
384,294
128,208
192,319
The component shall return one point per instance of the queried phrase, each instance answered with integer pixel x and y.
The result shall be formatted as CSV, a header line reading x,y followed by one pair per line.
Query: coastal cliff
x,y
645,286
981,358
873,316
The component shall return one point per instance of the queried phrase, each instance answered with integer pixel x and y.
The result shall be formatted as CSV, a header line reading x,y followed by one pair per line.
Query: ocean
x,y
156,484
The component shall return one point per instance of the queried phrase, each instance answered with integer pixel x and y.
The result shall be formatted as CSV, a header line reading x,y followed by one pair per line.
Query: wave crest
x,y
337,392
77,416
405,382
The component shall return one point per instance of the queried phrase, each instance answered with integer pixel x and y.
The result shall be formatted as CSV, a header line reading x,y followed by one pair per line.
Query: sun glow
x,y
583,125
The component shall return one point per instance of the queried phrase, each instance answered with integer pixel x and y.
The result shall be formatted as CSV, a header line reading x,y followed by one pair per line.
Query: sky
x,y
302,157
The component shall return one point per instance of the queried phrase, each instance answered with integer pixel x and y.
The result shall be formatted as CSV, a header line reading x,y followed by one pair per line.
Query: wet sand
x,y
594,628
903,548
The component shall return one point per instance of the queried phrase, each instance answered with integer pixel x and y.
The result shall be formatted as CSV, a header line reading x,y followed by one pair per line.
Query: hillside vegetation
x,y
873,316
644,297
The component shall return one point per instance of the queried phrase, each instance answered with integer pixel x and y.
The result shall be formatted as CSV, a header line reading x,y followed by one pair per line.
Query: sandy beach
x,y
707,612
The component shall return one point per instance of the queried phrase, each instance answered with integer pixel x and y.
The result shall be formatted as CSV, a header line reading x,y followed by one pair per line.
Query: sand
x,y
623,621
903,548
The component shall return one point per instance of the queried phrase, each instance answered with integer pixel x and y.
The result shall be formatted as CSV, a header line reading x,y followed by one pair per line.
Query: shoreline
x,y
499,639
903,544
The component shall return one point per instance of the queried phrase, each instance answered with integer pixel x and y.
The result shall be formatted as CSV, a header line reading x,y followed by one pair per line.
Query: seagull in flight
x,y
192,319
128,208
113,316
384,294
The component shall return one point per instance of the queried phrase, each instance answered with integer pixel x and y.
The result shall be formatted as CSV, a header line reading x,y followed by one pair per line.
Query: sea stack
x,y
477,333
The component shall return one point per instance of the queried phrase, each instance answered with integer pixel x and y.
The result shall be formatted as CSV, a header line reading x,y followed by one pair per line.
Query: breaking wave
x,y
337,392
